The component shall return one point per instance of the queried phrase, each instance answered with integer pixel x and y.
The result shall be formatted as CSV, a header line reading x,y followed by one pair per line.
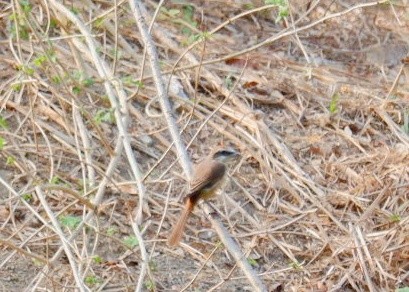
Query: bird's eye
x,y
224,153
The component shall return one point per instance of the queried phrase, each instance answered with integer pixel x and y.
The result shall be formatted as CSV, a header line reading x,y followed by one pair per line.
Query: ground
x,y
314,95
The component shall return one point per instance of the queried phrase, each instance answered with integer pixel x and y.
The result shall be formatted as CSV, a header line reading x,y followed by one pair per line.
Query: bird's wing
x,y
206,175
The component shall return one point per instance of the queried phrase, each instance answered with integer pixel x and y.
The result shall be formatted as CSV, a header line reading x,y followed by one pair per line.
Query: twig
x,y
162,94
273,38
144,255
235,251
185,161
64,241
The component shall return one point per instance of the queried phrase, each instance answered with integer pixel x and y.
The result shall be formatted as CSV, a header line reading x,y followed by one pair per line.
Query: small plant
x,y
333,105
282,8
296,265
83,81
25,6
116,54
26,70
76,90
10,160
53,23
69,221
130,81
55,180
49,55
150,285
188,12
17,86
75,10
18,27
92,280
131,241
229,81
2,143
105,115
40,60
99,22
97,259
196,37
3,123
252,262
170,12
112,231
27,197
88,82
37,262
56,79
395,218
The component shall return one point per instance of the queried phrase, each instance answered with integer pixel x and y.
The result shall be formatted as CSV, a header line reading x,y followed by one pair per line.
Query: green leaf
x,y
99,22
10,160
27,197
97,259
56,79
252,262
26,6
3,123
92,280
275,2
75,10
76,90
173,12
69,221
39,61
105,115
53,23
131,241
395,218
2,142
129,80
150,285
112,231
52,55
333,105
17,86
296,265
55,180
88,82
28,70
188,14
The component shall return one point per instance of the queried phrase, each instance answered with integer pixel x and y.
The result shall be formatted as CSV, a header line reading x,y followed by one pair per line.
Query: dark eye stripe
x,y
224,153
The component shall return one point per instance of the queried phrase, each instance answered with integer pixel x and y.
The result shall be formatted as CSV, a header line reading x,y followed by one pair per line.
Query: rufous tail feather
x,y
177,232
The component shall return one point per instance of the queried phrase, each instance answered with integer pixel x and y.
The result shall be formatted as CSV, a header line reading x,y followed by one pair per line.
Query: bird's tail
x,y
177,232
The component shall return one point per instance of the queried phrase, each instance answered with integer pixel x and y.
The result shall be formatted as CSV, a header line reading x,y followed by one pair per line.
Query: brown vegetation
x,y
315,95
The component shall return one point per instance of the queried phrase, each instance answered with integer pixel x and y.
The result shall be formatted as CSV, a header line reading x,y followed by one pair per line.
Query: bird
x,y
208,176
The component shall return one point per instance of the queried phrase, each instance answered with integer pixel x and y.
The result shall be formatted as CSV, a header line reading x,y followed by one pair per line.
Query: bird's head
x,y
225,155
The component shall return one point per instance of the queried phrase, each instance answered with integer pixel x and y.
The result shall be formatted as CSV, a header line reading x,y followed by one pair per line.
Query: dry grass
x,y
317,103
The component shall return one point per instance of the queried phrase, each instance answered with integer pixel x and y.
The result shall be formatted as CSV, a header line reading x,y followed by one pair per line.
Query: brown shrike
x,y
208,177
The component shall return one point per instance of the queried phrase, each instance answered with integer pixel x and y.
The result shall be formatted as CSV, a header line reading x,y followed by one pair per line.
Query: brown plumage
x,y
177,232
208,176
